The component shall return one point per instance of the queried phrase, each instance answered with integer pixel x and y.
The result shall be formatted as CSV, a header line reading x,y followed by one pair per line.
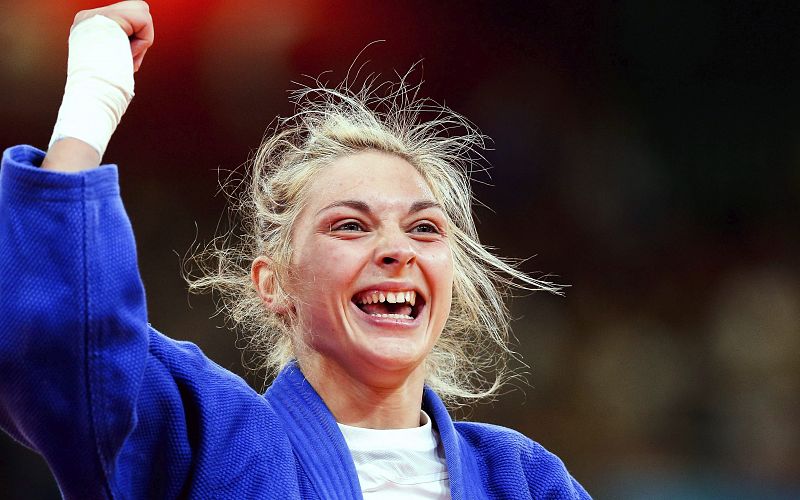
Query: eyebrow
x,y
418,206
361,206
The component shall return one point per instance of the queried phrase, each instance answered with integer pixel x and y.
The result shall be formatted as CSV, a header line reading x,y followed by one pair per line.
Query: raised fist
x,y
134,18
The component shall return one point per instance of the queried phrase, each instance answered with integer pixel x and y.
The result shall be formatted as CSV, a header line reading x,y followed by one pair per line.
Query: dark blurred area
x,y
647,154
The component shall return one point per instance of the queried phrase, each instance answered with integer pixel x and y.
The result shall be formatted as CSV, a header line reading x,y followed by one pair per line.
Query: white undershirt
x,y
399,463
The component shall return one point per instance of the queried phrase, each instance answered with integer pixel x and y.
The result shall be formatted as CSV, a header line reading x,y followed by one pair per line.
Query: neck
x,y
359,404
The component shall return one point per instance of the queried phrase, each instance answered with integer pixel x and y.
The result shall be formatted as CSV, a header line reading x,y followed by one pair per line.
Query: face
x,y
372,270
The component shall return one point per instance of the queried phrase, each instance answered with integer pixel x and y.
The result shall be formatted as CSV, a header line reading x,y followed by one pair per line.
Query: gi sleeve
x,y
73,321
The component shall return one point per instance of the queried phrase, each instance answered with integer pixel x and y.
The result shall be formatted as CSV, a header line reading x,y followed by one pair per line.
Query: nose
x,y
395,250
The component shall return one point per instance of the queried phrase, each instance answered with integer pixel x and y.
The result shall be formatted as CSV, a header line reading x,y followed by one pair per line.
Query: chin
x,y
394,354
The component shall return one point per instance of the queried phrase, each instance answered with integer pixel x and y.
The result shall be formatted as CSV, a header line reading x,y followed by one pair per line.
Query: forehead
x,y
380,179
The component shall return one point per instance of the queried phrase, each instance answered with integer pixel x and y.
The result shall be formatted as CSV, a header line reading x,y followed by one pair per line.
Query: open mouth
x,y
405,304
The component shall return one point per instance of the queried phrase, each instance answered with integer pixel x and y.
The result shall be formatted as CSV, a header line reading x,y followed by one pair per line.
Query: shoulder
x,y
497,441
499,450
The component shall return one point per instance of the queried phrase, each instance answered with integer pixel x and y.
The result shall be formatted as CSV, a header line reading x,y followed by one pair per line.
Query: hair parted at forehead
x,y
469,360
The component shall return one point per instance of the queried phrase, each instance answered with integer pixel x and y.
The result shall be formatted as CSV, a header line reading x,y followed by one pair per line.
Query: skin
x,y
74,155
370,223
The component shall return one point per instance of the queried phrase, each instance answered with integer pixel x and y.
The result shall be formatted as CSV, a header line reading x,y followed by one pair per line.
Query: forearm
x,y
106,47
71,155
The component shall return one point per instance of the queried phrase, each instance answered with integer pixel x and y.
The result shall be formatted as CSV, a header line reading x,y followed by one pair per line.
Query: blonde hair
x,y
470,359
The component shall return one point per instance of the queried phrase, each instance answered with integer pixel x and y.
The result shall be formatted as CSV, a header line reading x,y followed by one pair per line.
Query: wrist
x,y
70,155
99,83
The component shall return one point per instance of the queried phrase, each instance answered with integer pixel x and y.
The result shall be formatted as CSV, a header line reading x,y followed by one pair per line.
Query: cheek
x,y
439,263
324,268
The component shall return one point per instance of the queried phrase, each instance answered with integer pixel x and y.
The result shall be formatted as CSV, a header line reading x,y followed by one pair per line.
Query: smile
x,y
398,304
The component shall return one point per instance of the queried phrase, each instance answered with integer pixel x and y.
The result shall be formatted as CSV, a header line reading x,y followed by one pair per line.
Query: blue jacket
x,y
119,410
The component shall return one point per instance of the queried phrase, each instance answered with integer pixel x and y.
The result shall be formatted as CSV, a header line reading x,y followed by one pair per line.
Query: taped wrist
x,y
99,83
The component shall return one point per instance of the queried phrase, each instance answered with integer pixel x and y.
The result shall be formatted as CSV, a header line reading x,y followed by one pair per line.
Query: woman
x,y
364,284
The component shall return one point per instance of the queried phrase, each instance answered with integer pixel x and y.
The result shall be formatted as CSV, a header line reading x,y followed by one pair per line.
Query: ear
x,y
263,275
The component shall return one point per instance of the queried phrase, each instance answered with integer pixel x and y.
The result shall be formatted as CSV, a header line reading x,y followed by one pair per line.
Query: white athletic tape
x,y
99,83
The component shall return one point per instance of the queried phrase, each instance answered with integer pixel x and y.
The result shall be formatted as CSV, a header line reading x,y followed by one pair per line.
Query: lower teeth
x,y
393,316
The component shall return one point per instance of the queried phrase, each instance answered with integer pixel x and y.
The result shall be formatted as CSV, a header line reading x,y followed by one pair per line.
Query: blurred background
x,y
645,153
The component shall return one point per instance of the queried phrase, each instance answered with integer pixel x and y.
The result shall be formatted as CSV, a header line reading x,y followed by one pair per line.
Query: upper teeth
x,y
391,297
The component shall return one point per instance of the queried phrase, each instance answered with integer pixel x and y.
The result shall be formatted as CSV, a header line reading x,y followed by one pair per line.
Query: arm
x,y
73,337
99,84
70,155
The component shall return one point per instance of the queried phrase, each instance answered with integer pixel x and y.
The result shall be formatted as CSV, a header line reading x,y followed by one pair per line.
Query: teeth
x,y
391,297
392,316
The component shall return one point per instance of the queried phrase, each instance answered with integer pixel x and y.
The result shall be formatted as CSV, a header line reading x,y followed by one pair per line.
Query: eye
x,y
348,226
425,227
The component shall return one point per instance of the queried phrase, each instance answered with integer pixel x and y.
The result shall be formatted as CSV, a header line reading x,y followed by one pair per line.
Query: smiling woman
x,y
352,153
361,282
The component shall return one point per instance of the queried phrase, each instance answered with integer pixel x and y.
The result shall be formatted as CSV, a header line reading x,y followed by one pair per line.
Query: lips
x,y
394,304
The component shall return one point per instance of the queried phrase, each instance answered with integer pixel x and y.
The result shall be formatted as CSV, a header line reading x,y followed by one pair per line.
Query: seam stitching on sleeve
x,y
90,348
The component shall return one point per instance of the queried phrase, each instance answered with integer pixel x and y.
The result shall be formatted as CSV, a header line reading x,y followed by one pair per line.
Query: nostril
x,y
389,260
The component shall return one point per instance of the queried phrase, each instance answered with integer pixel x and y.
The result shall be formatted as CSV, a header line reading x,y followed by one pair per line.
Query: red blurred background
x,y
646,154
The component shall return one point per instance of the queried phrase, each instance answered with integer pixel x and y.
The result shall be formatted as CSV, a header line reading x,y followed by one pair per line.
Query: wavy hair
x,y
470,359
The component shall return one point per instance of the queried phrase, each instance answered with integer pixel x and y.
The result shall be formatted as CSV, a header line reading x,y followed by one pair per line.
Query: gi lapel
x,y
317,442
